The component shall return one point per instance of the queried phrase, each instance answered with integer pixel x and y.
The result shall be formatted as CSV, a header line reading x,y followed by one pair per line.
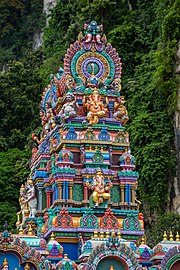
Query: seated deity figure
x,y
120,111
31,198
95,107
100,188
69,109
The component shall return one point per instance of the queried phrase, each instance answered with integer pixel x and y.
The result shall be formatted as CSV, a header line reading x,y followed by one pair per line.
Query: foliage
x,y
19,20
166,222
13,171
20,94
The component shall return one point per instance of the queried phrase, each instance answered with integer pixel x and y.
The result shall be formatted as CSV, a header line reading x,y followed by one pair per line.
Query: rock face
x,y
37,37
176,200
37,40
48,5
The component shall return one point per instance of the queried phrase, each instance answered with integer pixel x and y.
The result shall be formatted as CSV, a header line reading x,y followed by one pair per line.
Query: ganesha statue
x,y
95,107
101,190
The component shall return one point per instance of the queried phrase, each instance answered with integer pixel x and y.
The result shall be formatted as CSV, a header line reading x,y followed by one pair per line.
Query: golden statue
x,y
120,111
95,107
24,207
100,188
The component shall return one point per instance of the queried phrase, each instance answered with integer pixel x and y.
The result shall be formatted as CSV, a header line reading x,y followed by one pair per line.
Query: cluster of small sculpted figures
x,y
93,104
27,201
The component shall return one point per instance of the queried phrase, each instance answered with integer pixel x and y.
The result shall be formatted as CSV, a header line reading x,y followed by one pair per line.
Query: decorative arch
x,y
123,253
171,258
24,253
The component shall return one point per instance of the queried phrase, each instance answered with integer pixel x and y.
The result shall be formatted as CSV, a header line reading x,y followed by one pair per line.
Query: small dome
x,y
54,248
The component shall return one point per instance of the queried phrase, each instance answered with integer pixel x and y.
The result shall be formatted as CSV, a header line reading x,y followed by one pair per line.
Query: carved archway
x,y
171,260
116,262
123,253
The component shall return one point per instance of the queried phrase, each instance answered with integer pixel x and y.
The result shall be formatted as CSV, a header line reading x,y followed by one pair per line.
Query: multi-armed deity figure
x,y
120,111
95,107
100,188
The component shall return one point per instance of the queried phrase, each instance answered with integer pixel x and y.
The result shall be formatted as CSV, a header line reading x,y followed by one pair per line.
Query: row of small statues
x,y
27,201
95,110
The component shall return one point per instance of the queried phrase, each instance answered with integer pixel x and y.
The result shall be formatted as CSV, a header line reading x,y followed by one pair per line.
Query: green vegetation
x,y
145,34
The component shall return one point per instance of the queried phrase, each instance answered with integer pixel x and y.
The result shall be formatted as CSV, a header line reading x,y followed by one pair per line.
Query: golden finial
x,y
5,262
177,237
143,240
113,234
30,181
165,236
119,233
64,146
99,171
95,234
171,237
21,230
101,234
107,234
111,268
27,267
22,188
52,236
65,256
30,231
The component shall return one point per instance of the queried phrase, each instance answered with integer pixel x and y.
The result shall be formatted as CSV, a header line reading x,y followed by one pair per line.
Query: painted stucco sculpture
x,y
79,208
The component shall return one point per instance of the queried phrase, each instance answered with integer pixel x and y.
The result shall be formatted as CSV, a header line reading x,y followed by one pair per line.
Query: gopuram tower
x,y
80,196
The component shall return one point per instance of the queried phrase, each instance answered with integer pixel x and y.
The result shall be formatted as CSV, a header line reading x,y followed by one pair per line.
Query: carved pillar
x,y
48,198
111,110
85,191
63,190
70,190
66,190
60,190
122,192
40,187
133,193
126,192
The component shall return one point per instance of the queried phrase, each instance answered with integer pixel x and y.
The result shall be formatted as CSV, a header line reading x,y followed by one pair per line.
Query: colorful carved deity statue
x,y
31,198
23,205
70,108
95,107
120,111
50,117
100,188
